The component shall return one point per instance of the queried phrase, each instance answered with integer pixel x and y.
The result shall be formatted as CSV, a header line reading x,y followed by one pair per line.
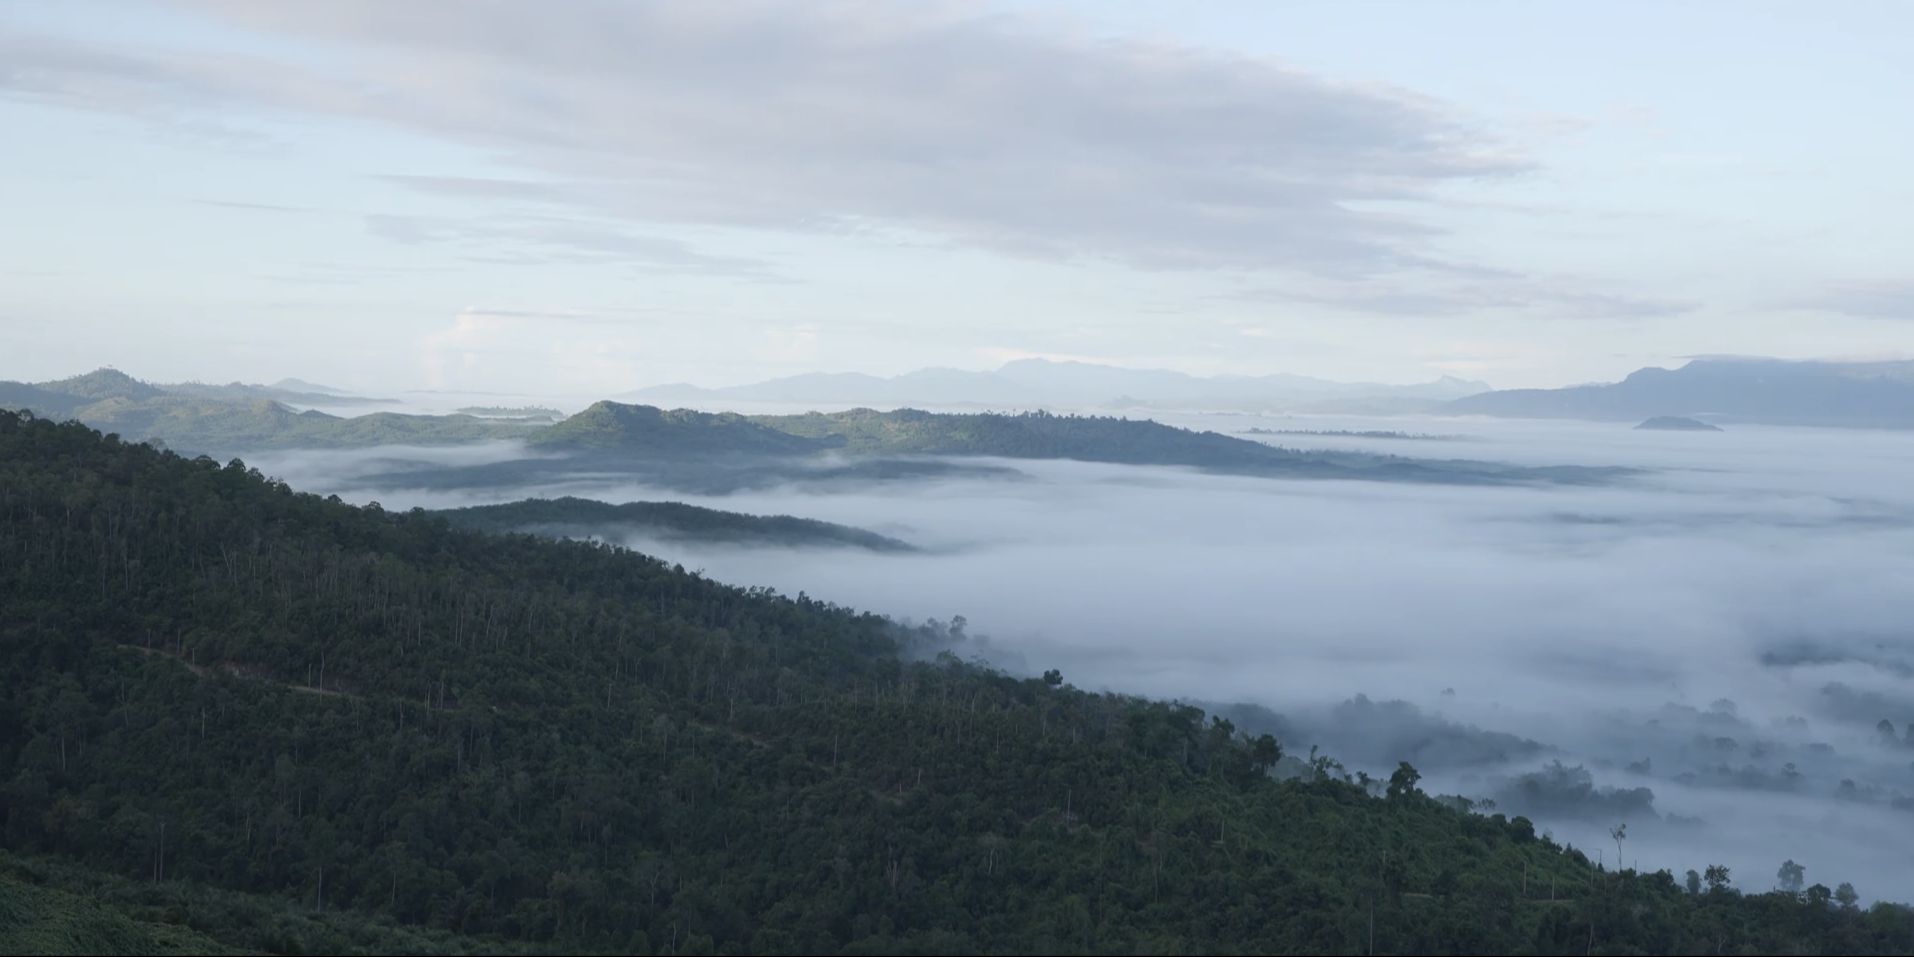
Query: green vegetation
x,y
1040,435
248,392
44,920
513,412
612,427
683,447
48,906
583,518
609,426
197,424
225,688
225,418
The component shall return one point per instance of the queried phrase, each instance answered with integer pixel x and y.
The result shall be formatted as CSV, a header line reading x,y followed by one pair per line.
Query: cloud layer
x,y
932,120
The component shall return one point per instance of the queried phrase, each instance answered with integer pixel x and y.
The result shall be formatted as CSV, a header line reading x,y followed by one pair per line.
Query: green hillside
x,y
1033,435
196,424
583,518
235,417
644,429
689,449
1040,435
45,920
219,684
103,384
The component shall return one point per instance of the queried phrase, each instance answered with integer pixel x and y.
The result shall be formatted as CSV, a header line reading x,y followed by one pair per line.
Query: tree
x,y
1845,896
1403,782
1694,882
1053,678
1716,877
1791,876
1264,752
1521,829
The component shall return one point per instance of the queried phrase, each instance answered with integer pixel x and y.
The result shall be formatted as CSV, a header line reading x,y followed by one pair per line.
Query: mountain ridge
x,y
1036,382
1876,394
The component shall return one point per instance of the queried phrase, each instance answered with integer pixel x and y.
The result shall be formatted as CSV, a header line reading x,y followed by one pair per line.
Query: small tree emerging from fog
x,y
1791,876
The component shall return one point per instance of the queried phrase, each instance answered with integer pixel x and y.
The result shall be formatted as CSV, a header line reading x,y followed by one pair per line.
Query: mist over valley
x,y
1721,627
1018,477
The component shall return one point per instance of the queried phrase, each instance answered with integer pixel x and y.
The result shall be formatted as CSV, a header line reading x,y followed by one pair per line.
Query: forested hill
x,y
1123,441
198,417
648,430
289,724
611,428
583,518
687,448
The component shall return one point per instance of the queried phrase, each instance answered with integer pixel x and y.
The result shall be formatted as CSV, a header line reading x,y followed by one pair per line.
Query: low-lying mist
x,y
1704,652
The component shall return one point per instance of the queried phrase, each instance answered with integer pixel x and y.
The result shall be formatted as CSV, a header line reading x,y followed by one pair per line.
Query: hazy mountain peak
x,y
103,383
1038,382
616,426
1728,388
301,385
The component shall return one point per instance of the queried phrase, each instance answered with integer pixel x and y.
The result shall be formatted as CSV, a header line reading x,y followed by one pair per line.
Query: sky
x,y
589,197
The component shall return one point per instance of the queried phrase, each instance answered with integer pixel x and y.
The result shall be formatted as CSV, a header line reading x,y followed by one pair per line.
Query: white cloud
x,y
990,131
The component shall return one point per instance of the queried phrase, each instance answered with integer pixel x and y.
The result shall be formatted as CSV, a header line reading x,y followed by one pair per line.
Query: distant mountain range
x,y
64,397
612,431
1042,383
200,418
684,448
1727,390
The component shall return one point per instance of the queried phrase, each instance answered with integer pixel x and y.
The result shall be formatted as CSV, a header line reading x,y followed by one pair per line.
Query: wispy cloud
x,y
1887,299
1001,132
1531,296
541,239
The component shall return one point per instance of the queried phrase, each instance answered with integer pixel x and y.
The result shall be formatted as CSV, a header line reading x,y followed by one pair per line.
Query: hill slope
x,y
43,920
206,673
583,518
1868,394
1039,435
647,430
235,417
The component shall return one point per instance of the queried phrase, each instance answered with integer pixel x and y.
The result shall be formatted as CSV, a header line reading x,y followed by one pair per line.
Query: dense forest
x,y
570,517
233,714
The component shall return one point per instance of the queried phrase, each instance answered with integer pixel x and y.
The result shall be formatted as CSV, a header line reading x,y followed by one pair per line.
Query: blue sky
x,y
586,197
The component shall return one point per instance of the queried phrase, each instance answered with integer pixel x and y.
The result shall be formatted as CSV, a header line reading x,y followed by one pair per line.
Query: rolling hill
x,y
236,417
612,427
